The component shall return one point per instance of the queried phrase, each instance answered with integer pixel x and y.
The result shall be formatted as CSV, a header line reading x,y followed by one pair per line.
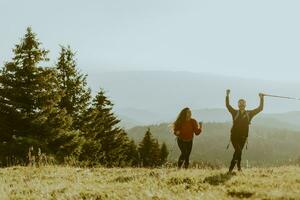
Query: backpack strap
x,y
238,114
248,117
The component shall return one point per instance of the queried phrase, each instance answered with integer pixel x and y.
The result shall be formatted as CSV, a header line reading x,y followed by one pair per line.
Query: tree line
x,y
50,109
211,146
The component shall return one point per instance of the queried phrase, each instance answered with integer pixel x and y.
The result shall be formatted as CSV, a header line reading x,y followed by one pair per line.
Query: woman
x,y
184,128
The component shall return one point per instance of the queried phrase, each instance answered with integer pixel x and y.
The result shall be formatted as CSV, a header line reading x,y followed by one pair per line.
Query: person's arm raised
x,y
228,106
260,107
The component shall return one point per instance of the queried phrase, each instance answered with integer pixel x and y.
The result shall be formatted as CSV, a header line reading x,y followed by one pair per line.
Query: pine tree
x,y
132,154
106,143
149,150
164,153
28,104
145,149
155,153
76,94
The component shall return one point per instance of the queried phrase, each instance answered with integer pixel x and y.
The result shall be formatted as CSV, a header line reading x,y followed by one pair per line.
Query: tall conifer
x,y
28,105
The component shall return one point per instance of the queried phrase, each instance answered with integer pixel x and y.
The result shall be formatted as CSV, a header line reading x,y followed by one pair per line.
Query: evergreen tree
x,y
149,150
145,149
106,143
28,105
76,94
164,153
155,153
132,154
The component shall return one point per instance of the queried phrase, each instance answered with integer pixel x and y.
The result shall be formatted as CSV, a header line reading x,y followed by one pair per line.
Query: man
x,y
239,131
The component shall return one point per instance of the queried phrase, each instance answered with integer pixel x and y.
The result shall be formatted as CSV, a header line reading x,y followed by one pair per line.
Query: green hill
x,y
266,146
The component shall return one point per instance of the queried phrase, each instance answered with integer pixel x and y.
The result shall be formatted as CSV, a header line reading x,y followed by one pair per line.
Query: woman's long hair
x,y
181,118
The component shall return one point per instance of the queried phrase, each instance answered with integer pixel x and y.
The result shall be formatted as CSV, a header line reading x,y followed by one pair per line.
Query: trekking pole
x,y
228,145
282,97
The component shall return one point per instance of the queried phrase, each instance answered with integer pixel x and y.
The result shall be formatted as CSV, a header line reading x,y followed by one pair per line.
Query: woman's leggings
x,y
185,148
238,145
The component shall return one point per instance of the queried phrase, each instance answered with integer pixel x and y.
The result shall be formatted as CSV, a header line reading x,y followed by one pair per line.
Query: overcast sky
x,y
254,38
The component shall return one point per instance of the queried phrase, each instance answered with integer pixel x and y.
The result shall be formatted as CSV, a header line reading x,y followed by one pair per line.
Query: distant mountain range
x,y
289,120
152,97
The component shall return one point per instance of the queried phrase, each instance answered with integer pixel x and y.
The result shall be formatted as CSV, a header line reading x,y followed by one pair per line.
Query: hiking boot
x,y
239,168
186,166
179,165
232,165
230,173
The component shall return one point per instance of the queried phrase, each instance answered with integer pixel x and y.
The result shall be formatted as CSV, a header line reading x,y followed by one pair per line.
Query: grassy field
x,y
100,183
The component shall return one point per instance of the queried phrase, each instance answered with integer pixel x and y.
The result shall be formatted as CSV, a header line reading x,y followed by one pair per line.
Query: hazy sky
x,y
257,38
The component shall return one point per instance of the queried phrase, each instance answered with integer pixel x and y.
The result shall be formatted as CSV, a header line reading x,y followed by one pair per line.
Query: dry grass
x,y
99,183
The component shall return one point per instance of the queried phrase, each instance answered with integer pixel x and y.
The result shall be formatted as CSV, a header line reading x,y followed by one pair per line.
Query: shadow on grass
x,y
180,180
123,179
218,179
240,194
